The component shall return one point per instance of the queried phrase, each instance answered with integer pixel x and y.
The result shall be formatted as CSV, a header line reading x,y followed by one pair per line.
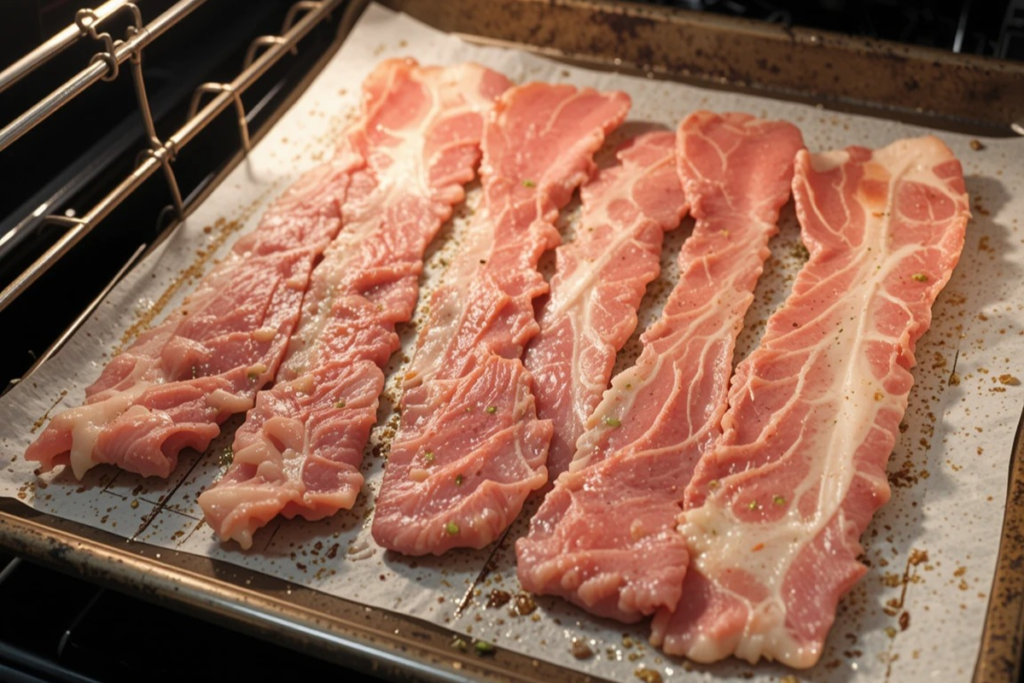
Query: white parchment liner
x,y
931,550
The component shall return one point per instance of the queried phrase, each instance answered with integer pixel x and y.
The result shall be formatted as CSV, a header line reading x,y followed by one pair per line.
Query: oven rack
x,y
159,154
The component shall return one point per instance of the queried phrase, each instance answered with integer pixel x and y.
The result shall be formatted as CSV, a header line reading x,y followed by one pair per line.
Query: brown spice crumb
x,y
522,605
905,621
497,598
580,649
1009,380
647,675
917,556
976,145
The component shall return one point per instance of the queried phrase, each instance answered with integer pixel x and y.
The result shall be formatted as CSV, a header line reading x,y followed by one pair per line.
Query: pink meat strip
x,y
175,385
775,511
470,446
605,537
598,285
301,446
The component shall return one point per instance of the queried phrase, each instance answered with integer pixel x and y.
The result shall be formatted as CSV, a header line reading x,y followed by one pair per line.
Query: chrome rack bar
x,y
250,56
103,66
160,155
243,123
58,43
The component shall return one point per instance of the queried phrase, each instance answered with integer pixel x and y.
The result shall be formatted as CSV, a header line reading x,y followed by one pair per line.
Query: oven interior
x,y
65,628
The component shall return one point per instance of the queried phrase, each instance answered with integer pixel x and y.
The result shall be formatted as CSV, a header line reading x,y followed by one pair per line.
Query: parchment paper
x,y
916,615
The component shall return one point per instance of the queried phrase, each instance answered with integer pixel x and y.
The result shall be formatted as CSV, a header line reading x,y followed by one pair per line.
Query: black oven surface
x,y
62,628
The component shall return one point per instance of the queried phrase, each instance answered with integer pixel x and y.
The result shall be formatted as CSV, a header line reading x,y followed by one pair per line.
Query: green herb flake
x,y
610,421
919,277
491,410
452,528
339,404
428,457
754,505
779,500
459,480
529,183
253,376
482,648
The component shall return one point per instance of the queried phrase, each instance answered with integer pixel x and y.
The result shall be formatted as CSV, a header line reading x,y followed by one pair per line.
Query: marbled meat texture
x,y
470,446
178,382
605,538
300,449
776,509
599,281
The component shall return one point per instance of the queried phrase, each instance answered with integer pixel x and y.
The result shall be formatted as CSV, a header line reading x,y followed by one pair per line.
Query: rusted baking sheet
x,y
915,84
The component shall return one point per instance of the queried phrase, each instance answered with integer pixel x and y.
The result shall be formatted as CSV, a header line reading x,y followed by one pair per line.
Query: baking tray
x,y
649,41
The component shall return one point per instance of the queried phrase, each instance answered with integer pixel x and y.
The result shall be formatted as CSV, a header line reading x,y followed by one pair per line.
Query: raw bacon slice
x,y
301,446
605,536
775,511
470,447
598,284
174,386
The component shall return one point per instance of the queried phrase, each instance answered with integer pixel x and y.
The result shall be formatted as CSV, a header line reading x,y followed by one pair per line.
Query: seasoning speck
x,y
580,649
647,675
498,598
482,648
611,421
452,528
976,145
904,621
491,410
917,556
523,605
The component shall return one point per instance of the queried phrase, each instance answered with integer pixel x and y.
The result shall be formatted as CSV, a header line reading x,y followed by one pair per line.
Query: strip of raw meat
x,y
300,449
605,536
174,386
775,511
470,446
598,284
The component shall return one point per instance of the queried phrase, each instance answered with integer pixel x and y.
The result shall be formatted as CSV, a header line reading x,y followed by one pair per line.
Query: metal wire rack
x,y
159,154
